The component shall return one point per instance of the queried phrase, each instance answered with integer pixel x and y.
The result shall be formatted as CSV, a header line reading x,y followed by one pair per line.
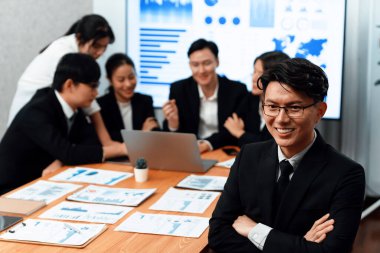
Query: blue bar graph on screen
x,y
163,23
262,13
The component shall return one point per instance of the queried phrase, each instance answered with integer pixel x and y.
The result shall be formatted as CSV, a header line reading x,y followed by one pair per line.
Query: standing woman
x,y
121,107
248,124
89,35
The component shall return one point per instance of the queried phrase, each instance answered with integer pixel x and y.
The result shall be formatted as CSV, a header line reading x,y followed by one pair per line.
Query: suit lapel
x,y
61,115
310,166
267,178
117,120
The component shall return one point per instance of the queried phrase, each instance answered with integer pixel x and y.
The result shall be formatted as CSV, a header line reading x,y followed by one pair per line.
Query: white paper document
x,y
226,164
92,176
112,196
163,224
53,232
211,183
86,212
44,191
185,201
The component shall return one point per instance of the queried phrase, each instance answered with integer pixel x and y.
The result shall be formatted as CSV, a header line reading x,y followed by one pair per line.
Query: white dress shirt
x,y
126,114
260,232
208,114
67,110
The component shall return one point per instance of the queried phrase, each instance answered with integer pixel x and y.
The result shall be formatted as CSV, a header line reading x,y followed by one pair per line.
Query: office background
x,y
27,26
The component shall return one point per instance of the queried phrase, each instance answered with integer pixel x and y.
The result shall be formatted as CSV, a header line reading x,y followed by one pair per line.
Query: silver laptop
x,y
165,150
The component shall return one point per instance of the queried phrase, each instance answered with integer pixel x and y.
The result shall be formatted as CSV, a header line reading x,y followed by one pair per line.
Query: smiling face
x,y
292,134
124,82
203,64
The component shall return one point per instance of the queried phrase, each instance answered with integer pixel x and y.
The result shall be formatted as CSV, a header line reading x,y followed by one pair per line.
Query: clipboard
x,y
57,233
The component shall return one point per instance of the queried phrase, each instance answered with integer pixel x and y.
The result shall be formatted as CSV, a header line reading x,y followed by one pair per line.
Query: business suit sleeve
x,y
346,206
41,130
222,236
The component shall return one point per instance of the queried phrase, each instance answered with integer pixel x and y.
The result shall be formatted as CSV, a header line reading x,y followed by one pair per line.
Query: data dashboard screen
x,y
159,33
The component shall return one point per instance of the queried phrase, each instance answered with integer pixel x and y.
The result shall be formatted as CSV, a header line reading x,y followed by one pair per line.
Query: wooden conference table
x,y
112,241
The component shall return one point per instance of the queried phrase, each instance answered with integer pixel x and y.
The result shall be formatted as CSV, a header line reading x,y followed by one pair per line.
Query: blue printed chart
x,y
162,224
159,33
86,212
112,196
207,183
185,201
44,191
93,176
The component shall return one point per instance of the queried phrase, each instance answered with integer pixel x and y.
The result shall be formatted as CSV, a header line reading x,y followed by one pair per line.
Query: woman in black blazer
x,y
247,123
121,107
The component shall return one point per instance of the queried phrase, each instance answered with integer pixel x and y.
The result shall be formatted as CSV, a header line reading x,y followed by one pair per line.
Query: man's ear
x,y
68,85
322,108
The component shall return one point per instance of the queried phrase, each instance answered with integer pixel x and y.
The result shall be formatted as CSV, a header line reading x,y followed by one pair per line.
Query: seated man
x,y
51,126
201,103
278,188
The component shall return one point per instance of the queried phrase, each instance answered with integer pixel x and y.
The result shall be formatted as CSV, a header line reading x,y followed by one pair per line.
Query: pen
x,y
72,228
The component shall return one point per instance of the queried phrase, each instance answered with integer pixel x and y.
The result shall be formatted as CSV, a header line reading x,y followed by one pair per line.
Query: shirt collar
x,y
296,159
67,110
212,98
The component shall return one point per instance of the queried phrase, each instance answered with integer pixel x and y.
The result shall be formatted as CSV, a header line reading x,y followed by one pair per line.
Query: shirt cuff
x,y
259,234
93,108
172,129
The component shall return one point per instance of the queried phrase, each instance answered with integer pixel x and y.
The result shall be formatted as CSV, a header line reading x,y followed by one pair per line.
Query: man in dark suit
x,y
277,189
49,130
201,103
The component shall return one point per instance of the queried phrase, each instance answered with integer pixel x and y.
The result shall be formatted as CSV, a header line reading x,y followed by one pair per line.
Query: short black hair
x,y
116,60
202,44
301,75
271,58
81,68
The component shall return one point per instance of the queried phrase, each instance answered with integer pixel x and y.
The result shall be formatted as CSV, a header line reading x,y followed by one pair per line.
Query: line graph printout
x,y
44,191
53,232
206,183
112,196
67,210
163,224
185,201
92,176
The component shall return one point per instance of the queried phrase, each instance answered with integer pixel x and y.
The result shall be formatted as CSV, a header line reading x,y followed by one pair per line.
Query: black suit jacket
x,y
37,136
185,92
142,108
248,110
324,182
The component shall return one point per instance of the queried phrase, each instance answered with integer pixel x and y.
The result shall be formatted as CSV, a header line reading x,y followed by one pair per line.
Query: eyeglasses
x,y
294,111
92,85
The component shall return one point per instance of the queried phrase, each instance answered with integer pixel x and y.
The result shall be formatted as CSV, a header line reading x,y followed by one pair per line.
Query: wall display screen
x,y
159,33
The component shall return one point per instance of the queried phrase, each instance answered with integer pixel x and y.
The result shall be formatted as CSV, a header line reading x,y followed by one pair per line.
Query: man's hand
x,y
114,150
203,146
235,125
243,225
149,124
170,111
52,167
320,228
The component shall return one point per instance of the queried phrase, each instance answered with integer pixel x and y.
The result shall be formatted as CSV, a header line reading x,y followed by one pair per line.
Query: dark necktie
x,y
286,169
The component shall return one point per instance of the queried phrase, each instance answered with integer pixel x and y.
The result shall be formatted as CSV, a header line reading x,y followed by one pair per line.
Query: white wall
x,y
26,26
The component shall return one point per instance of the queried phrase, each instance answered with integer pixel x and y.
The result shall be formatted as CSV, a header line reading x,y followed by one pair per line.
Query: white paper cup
x,y
141,175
